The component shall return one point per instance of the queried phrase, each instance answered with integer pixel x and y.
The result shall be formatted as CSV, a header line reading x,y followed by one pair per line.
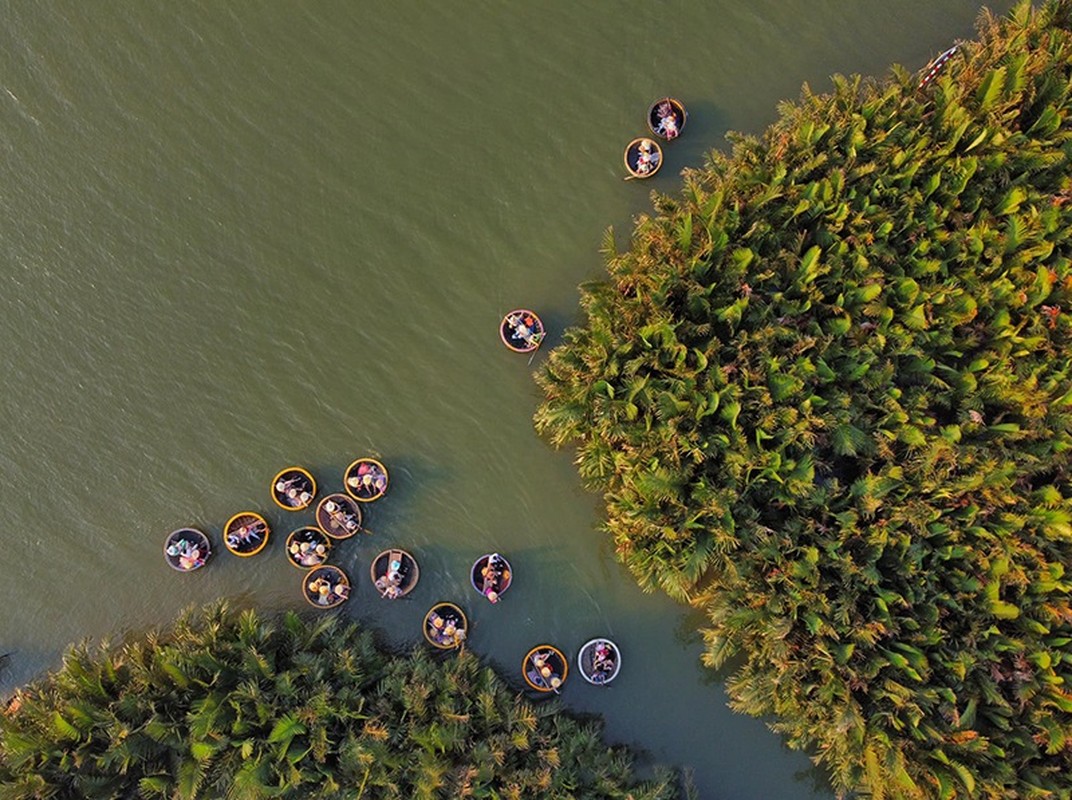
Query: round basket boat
x,y
599,661
366,480
545,668
445,626
394,573
246,533
643,157
339,516
326,586
293,488
308,547
491,575
187,549
667,118
521,330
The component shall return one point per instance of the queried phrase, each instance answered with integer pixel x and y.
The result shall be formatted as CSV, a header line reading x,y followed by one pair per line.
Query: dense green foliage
x,y
826,394
237,706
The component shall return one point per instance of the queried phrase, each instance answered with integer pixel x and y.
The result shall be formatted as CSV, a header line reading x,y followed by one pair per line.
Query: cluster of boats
x,y
393,572
545,667
666,121
522,330
337,516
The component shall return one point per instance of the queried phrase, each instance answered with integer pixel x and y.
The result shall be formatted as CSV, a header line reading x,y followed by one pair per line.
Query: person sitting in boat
x,y
188,554
495,578
390,583
437,624
342,591
542,674
243,537
291,487
324,590
338,516
523,329
307,554
667,121
444,631
647,159
490,573
321,588
368,482
602,653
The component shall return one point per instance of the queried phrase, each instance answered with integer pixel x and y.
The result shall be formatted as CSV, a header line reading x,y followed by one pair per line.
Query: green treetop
x,y
827,395
243,707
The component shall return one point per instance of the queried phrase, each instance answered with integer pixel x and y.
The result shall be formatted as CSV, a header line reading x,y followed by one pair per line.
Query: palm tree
x,y
824,393
239,705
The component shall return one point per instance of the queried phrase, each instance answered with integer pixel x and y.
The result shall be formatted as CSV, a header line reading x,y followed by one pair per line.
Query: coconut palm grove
x,y
826,395
233,704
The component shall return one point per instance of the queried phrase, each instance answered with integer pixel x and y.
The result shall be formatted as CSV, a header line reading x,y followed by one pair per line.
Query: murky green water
x,y
240,236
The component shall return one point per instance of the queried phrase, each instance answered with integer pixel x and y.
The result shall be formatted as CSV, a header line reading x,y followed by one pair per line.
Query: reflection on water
x,y
237,241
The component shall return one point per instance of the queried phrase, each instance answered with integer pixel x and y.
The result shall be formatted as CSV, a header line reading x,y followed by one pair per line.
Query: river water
x,y
242,236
